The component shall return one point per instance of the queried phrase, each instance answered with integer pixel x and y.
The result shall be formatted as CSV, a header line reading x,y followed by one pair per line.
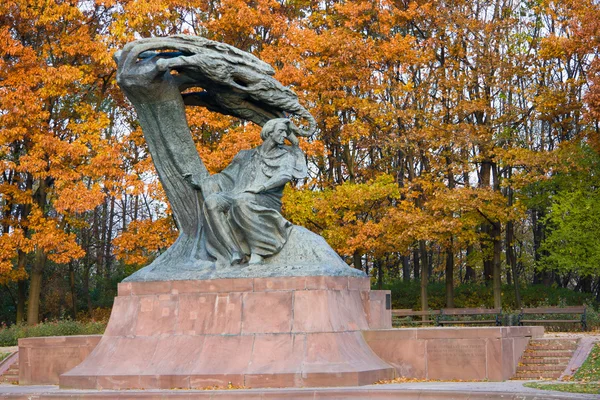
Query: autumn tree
x,y
55,72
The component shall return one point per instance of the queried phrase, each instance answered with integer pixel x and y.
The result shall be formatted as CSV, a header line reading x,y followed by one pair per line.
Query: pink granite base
x,y
478,353
43,359
267,332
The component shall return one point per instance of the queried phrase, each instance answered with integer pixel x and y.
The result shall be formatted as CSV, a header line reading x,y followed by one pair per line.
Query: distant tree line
x,y
458,140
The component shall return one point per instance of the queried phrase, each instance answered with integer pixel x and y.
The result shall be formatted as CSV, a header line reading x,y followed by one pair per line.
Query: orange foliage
x,y
143,240
429,113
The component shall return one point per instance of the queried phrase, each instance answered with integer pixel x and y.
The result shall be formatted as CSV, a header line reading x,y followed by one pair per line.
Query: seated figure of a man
x,y
242,204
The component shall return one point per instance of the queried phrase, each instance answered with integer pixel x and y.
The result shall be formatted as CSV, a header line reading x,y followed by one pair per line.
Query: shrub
x,y
10,336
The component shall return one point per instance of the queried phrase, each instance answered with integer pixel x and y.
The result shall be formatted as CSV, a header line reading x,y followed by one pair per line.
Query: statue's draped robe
x,y
250,222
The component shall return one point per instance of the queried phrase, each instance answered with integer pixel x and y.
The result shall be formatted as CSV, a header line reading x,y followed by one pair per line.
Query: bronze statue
x,y
230,223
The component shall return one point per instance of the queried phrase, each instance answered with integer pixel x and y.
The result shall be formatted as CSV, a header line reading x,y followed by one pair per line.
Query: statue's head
x,y
276,126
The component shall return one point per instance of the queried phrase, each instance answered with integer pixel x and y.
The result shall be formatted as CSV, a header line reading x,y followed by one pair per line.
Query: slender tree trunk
x,y
21,287
379,265
469,270
124,213
485,179
39,261
425,259
424,279
449,250
449,278
357,260
405,268
429,261
35,287
416,262
108,244
511,259
21,298
94,249
497,266
73,290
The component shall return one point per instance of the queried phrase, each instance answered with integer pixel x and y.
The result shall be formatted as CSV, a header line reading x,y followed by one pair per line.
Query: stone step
x,y
10,378
545,360
551,348
538,375
11,375
553,344
540,367
548,353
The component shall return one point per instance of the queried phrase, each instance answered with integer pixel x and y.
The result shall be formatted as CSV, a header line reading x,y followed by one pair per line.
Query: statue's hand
x,y
145,79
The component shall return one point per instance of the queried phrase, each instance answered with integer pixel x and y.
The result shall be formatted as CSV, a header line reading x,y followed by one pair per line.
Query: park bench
x,y
457,313
407,313
543,311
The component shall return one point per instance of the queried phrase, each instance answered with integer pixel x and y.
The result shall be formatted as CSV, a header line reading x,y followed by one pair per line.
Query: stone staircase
x,y
11,375
545,358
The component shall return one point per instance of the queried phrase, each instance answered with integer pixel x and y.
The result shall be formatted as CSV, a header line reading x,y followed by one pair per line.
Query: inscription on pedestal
x,y
451,359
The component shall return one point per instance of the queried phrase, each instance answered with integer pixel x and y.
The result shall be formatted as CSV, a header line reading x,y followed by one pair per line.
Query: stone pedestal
x,y
261,332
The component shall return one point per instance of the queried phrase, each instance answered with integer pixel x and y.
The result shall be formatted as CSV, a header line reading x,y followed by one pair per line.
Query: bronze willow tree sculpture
x,y
153,73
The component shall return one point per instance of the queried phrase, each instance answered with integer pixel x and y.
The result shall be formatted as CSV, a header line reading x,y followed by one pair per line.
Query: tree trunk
x,y
35,287
21,287
485,176
586,284
425,260
108,244
405,268
511,259
357,260
449,278
416,263
39,261
497,266
73,291
21,297
469,270
379,265
424,279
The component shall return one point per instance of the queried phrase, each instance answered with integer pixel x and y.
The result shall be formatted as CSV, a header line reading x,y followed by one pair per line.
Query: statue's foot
x,y
237,258
255,259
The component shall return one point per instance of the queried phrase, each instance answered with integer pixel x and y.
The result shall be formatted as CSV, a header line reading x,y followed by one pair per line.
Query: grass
x,y
4,355
590,388
585,380
590,369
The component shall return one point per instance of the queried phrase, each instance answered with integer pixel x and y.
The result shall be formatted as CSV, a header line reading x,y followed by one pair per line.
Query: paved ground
x,y
411,390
